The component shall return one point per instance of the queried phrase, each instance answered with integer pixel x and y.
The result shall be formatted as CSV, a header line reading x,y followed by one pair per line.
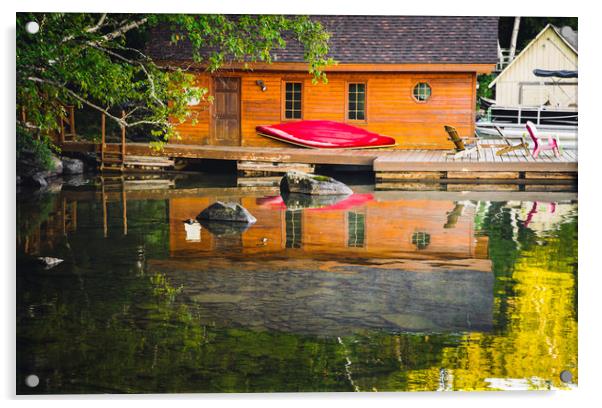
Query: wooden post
x,y
72,120
64,213
125,207
74,215
104,207
103,133
103,140
62,135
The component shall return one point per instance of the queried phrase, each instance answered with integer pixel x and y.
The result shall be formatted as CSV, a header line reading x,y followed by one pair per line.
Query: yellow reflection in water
x,y
540,340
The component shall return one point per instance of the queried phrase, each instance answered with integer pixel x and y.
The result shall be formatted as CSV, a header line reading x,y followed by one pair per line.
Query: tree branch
x,y
79,98
89,29
98,25
112,35
124,29
120,121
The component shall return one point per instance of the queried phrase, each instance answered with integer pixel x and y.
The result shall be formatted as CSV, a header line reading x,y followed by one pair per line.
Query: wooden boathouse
x,y
401,76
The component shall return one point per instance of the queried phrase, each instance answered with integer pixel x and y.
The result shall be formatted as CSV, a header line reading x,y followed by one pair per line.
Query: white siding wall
x,y
548,52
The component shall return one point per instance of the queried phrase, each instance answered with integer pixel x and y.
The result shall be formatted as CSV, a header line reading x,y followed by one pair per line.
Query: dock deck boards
x,y
380,160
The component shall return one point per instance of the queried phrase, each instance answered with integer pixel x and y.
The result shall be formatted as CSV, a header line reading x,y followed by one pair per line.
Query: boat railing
x,y
537,115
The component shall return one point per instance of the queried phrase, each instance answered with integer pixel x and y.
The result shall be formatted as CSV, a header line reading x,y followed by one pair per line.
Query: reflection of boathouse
x,y
410,265
410,228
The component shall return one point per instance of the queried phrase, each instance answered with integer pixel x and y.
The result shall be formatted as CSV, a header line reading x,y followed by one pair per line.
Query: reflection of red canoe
x,y
325,134
350,202
354,200
271,202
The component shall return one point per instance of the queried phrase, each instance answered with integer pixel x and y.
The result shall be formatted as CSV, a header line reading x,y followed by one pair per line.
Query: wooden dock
x,y
391,166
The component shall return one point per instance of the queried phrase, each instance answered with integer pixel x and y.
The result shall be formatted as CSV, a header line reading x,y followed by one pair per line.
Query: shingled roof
x,y
380,40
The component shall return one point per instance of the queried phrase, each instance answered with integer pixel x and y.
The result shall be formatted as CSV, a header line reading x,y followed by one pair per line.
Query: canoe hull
x,y
322,134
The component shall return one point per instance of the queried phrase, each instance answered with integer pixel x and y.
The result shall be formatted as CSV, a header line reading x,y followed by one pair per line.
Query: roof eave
x,y
478,68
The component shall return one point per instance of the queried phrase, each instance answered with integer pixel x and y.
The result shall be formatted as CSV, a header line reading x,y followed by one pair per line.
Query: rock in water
x,y
76,180
49,262
303,183
225,228
72,166
231,212
39,180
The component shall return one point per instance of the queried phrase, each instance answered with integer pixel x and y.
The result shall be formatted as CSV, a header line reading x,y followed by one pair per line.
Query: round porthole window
x,y
422,92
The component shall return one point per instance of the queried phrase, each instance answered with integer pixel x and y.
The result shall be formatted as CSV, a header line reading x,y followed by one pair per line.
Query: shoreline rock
x,y
72,166
57,167
312,184
66,170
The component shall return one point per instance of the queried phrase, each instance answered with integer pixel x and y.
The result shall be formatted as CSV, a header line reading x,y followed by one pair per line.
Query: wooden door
x,y
225,130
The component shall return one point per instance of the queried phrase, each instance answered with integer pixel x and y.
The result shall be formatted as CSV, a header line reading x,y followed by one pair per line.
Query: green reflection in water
x,y
105,322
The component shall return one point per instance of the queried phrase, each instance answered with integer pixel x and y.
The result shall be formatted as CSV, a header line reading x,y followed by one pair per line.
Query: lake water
x,y
382,291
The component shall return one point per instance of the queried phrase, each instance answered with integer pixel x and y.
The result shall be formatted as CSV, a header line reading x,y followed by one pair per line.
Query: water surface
x,y
383,291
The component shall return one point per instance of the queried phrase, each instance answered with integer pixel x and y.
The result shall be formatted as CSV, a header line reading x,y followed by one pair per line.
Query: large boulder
x,y
72,166
56,166
303,183
226,212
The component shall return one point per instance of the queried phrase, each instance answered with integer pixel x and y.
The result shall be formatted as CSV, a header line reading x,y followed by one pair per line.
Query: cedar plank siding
x,y
390,107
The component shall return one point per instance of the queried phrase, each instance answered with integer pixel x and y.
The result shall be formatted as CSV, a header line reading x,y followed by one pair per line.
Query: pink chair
x,y
552,142
533,211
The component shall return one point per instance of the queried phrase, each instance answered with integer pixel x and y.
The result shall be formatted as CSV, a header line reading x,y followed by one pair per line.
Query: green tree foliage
x,y
98,61
484,81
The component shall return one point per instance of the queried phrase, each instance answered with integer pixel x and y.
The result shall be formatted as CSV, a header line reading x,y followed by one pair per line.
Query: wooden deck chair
x,y
510,147
538,147
463,146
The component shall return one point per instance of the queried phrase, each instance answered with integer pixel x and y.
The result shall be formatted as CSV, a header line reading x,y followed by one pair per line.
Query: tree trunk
x,y
514,38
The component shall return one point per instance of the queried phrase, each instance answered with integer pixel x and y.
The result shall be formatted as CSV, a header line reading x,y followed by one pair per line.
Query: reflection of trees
x,y
32,213
535,335
540,337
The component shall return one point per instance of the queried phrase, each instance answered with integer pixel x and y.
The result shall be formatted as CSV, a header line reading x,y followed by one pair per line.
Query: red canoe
x,y
325,134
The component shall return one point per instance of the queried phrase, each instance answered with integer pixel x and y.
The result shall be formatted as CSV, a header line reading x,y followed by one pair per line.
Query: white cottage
x,y
552,49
